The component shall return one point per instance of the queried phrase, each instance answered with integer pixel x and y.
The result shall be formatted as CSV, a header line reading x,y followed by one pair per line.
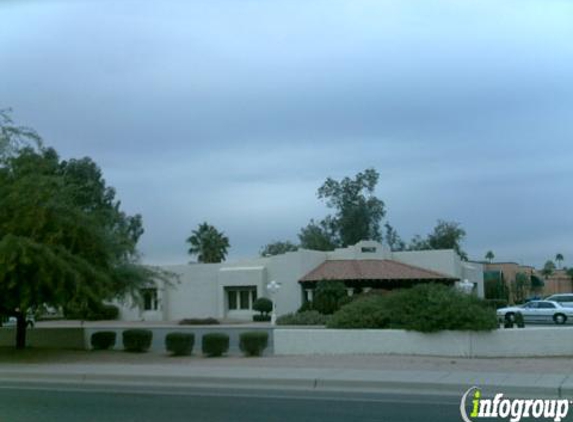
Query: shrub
x,y
103,340
253,343
179,344
519,321
365,312
263,305
199,321
215,344
303,318
137,340
261,318
328,296
425,308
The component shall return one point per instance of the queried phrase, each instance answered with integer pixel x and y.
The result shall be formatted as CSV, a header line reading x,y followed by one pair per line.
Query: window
x,y
546,305
232,299
241,298
369,249
149,296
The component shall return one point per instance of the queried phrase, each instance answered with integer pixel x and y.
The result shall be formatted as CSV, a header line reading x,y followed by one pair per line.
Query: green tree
x,y
521,287
319,236
57,244
358,212
559,259
548,269
393,240
278,248
208,244
446,235
489,256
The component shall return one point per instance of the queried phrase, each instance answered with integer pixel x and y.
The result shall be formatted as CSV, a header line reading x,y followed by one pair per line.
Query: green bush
x,y
253,343
369,311
137,340
425,307
103,340
199,321
215,344
303,318
329,296
519,321
179,344
261,318
263,305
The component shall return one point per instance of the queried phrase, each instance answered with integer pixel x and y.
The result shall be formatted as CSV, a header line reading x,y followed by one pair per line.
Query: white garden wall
x,y
534,341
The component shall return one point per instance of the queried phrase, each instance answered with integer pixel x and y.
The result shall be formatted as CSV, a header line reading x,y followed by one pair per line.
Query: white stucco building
x,y
228,290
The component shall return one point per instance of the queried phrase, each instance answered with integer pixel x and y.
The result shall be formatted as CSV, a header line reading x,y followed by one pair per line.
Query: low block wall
x,y
529,342
46,338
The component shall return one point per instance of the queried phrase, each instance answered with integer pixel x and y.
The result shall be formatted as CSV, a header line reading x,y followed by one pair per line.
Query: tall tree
x,y
446,235
358,212
58,246
393,240
319,236
489,256
559,259
208,244
278,248
548,269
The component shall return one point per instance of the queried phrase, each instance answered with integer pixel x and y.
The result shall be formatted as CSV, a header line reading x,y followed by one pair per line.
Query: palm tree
x,y
489,256
208,244
559,258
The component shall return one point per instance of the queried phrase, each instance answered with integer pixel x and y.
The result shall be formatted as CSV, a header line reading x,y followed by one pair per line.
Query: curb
x,y
437,385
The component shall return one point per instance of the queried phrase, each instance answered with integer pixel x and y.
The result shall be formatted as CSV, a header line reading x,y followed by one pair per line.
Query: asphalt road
x,y
36,404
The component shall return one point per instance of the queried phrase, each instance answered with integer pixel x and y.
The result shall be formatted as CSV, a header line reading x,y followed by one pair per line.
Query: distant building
x,y
228,290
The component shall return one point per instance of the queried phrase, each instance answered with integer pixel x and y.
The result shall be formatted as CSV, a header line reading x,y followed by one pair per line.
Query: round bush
x,y
253,343
263,305
215,344
329,296
137,340
180,344
103,340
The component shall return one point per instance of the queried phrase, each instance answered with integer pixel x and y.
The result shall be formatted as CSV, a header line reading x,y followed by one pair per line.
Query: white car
x,y
538,311
565,299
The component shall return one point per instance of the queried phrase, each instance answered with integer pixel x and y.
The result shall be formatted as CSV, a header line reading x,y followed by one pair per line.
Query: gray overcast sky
x,y
235,111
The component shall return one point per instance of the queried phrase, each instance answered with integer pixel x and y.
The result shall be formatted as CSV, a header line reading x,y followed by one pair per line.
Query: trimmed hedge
x,y
103,340
199,321
179,344
93,312
261,318
137,340
215,344
263,305
304,318
425,307
253,343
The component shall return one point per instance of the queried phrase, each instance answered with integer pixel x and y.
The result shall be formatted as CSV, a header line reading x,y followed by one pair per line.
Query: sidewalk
x,y
515,377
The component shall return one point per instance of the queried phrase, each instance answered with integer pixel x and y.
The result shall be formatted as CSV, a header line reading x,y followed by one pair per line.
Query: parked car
x,y
538,311
565,299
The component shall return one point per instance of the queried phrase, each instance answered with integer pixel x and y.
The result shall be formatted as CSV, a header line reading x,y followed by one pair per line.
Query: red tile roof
x,y
371,269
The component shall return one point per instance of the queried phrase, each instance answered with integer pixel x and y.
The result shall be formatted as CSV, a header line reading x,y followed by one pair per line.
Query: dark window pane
x,y
244,297
232,298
